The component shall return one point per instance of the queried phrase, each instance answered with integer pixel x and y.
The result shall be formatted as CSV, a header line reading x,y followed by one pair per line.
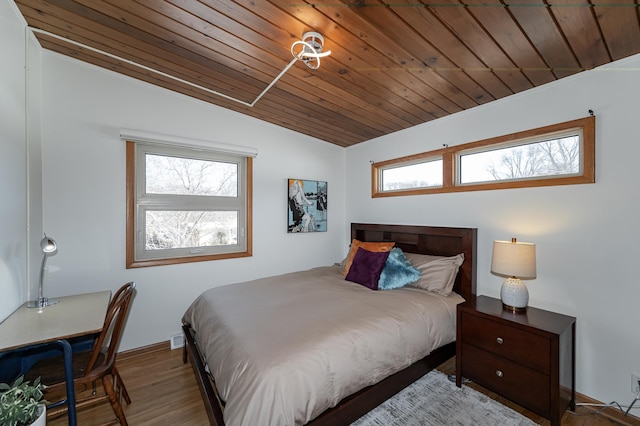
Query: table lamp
x,y
514,260
49,248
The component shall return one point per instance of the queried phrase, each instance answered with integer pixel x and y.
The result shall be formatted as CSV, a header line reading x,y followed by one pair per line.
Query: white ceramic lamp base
x,y
514,295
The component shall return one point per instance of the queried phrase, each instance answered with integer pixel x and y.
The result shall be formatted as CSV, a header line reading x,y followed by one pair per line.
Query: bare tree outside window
x,y
420,175
184,229
186,176
541,159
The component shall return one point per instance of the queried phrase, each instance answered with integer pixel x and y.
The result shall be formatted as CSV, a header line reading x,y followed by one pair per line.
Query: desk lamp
x,y
514,260
49,248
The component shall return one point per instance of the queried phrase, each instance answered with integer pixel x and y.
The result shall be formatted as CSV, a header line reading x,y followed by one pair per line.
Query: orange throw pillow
x,y
371,246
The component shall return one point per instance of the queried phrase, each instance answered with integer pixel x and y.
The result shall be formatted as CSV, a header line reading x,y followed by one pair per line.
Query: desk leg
x,y
68,374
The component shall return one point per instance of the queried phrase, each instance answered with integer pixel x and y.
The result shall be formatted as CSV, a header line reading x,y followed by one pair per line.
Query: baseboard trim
x,y
612,413
145,350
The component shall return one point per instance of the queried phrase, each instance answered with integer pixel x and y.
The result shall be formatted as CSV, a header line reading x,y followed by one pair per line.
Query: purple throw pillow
x,y
366,267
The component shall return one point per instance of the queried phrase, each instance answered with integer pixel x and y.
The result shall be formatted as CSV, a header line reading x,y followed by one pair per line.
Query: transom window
x,y
560,154
186,205
422,174
557,155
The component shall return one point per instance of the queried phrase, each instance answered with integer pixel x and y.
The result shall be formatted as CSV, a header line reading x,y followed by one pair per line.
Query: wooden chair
x,y
91,366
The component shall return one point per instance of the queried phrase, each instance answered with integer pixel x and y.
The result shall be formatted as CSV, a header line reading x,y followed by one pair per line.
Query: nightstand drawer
x,y
509,342
523,385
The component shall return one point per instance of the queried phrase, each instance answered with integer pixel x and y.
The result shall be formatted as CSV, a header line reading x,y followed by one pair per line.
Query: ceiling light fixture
x,y
311,52
311,49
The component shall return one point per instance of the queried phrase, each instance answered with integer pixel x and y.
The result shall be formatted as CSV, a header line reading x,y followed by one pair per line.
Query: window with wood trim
x,y
186,205
560,154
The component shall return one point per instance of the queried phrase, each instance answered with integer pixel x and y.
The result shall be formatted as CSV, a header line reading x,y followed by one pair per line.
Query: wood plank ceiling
x,y
394,63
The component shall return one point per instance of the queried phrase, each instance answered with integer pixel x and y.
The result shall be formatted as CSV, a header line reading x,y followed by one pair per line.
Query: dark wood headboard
x,y
433,240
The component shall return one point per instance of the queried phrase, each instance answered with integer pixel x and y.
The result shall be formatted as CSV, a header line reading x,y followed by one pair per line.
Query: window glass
x,y
188,176
554,157
166,230
419,175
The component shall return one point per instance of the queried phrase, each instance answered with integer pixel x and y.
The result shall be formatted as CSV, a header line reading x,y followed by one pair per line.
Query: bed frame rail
x,y
212,403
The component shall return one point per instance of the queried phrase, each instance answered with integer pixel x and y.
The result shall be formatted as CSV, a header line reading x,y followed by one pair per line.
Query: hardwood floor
x,y
164,392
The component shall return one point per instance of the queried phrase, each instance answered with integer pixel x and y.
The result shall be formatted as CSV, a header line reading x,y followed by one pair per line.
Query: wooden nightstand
x,y
527,357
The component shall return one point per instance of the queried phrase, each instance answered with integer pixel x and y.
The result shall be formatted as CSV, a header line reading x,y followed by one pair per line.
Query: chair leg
x,y
121,386
113,398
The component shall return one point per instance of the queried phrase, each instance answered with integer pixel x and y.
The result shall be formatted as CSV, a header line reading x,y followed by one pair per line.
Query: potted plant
x,y
21,404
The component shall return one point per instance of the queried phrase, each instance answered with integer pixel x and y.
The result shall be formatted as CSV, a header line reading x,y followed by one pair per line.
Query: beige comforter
x,y
284,349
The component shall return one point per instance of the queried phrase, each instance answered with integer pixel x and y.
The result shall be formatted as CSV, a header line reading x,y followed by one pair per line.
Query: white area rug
x,y
433,401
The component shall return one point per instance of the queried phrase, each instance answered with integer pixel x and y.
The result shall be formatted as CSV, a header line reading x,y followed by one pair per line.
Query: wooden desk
x,y
73,316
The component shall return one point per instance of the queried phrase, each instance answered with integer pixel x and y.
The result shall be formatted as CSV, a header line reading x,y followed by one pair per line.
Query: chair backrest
x,y
107,341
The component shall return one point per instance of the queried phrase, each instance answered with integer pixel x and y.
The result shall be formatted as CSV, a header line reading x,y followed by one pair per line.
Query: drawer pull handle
x,y
499,340
499,373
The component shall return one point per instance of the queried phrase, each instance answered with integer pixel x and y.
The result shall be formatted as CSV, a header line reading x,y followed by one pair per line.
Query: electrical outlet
x,y
635,383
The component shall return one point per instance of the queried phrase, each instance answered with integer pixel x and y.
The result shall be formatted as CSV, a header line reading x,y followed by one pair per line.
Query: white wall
x,y
33,119
13,184
84,108
20,161
586,235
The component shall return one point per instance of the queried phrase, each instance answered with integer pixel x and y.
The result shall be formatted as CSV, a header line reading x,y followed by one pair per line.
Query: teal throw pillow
x,y
397,271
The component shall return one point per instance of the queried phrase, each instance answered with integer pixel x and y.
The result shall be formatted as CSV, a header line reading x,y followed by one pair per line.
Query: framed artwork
x,y
307,206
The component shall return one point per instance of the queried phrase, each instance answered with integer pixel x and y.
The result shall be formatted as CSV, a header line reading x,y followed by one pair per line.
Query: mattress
x,y
284,349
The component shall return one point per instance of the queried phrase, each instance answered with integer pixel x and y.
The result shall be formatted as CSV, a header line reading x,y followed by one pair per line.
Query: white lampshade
x,y
514,260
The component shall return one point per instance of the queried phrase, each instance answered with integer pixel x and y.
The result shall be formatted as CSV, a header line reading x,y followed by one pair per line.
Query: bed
x,y
353,381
